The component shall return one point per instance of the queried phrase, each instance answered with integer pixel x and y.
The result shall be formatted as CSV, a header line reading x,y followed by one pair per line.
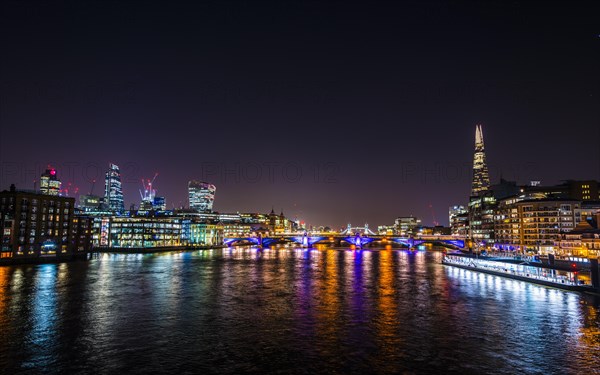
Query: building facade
x,y
159,203
585,191
147,231
201,196
458,219
481,178
113,190
49,182
482,209
91,203
507,224
459,225
543,221
524,224
589,212
279,224
386,230
82,232
456,210
39,226
239,230
139,232
406,225
205,234
583,241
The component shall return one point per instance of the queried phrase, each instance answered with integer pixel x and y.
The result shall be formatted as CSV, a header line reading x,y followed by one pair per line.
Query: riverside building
x,y
40,226
529,224
139,232
155,231
583,241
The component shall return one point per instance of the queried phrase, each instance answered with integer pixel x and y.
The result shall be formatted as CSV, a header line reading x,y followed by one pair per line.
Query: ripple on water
x,y
288,311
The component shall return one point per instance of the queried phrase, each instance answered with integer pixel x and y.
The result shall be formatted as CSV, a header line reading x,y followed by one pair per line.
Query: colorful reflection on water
x,y
288,310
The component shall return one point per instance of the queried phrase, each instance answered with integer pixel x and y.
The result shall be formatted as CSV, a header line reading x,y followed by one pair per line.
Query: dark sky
x,y
381,99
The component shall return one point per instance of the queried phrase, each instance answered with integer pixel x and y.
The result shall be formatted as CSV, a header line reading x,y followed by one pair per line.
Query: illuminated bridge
x,y
359,240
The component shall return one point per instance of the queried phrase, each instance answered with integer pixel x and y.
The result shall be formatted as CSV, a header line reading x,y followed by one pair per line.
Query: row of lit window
x,y
146,236
136,230
146,225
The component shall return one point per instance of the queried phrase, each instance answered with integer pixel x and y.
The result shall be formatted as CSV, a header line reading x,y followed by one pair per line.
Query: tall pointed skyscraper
x,y
481,177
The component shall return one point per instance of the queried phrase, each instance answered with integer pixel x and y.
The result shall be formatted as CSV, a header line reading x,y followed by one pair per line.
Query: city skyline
x,y
363,132
123,202
300,187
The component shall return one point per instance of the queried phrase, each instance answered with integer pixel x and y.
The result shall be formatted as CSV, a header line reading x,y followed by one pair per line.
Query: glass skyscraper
x,y
481,178
113,192
201,196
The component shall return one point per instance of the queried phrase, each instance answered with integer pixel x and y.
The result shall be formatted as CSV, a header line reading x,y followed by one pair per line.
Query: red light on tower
x,y
53,172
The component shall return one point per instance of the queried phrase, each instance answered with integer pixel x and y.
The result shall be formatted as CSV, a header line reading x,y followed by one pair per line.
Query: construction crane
x,y
433,215
148,194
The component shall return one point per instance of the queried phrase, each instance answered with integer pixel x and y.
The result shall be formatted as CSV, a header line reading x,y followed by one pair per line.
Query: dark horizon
x,y
381,99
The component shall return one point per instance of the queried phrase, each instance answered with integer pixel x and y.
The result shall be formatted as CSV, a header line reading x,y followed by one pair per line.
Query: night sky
x,y
338,112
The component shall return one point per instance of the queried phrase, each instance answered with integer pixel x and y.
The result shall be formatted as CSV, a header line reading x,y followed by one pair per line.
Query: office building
x,y
481,218
481,178
386,230
159,203
113,191
406,225
458,220
205,234
201,196
454,211
91,203
139,232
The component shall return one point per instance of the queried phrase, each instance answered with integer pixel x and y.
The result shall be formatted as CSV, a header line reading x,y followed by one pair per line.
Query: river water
x,y
288,310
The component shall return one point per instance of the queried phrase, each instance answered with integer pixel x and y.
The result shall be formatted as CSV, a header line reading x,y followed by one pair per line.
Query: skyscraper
x,y
113,192
201,195
49,182
481,178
